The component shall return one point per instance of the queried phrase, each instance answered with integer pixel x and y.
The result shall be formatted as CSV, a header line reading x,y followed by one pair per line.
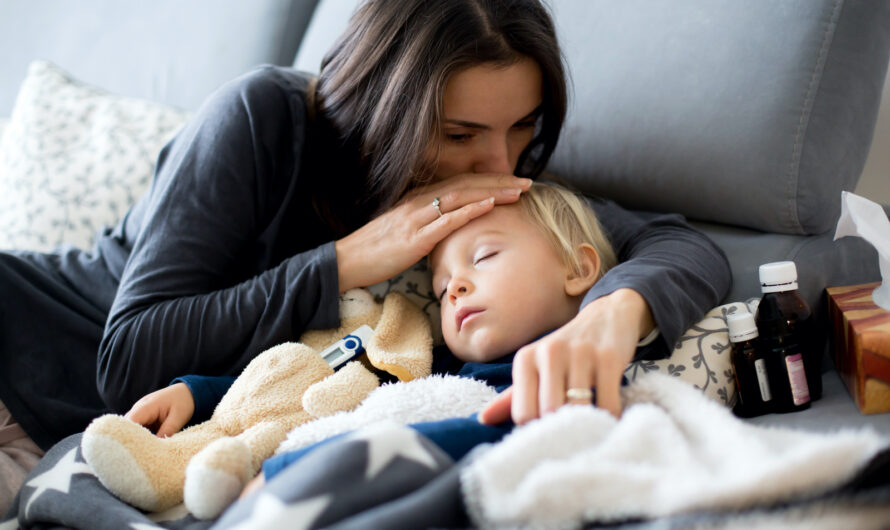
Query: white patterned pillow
x,y
74,158
701,356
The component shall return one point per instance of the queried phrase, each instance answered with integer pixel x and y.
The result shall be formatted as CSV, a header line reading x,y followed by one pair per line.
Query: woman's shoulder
x,y
266,90
271,78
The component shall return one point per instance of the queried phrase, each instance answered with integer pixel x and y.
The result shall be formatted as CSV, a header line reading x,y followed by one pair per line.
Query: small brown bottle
x,y
748,367
783,321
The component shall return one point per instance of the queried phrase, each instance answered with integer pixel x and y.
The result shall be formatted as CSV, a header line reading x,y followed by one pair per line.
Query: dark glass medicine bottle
x,y
785,326
748,367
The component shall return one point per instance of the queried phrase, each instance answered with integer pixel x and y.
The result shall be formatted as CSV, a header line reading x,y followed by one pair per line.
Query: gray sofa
x,y
749,118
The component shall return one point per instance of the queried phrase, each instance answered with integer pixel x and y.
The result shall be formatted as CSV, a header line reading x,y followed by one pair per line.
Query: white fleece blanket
x,y
436,397
673,451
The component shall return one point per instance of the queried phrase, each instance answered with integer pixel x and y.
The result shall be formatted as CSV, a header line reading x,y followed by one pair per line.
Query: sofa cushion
x,y
74,158
821,261
750,113
169,51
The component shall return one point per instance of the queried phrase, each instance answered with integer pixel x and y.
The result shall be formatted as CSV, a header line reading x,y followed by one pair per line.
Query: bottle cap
x,y
741,327
778,276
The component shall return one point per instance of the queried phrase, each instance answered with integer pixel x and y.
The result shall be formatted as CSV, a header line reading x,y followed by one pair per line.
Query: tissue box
x,y
860,344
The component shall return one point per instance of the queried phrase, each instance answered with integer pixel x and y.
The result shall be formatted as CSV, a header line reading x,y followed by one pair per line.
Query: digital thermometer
x,y
348,348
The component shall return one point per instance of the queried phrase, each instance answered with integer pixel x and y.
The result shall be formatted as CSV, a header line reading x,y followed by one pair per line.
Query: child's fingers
x,y
498,411
144,412
171,425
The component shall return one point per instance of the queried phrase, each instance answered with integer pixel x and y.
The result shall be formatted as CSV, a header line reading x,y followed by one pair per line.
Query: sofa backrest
x,y
755,113
171,51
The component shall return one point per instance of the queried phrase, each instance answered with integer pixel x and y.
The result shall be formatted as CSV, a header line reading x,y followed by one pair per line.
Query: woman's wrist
x,y
345,276
633,308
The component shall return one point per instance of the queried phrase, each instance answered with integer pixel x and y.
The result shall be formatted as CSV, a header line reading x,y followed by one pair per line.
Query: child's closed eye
x,y
484,256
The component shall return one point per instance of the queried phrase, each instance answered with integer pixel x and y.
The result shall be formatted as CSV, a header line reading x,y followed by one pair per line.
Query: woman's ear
x,y
578,283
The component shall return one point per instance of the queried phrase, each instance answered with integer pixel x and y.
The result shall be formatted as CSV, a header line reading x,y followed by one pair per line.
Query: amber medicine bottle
x,y
784,323
748,367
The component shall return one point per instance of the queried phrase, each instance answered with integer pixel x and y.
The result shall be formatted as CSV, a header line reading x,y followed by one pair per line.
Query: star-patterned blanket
x,y
341,483
392,476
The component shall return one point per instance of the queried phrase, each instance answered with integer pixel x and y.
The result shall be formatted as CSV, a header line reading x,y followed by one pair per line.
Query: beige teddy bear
x,y
208,464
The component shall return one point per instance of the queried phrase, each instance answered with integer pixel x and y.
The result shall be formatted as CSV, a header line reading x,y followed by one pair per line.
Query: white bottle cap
x,y
741,327
778,276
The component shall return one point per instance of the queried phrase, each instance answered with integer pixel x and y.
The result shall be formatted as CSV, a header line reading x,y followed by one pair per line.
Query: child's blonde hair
x,y
568,221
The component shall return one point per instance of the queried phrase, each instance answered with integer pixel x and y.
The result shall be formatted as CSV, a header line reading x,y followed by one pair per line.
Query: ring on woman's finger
x,y
580,394
436,203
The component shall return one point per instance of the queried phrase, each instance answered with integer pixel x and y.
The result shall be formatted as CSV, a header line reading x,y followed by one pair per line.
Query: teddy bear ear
x,y
356,302
402,343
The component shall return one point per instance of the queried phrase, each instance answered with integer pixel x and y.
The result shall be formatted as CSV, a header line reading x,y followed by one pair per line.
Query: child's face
x,y
501,285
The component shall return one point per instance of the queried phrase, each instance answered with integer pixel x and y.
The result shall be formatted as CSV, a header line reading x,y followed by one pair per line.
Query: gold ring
x,y
579,394
436,203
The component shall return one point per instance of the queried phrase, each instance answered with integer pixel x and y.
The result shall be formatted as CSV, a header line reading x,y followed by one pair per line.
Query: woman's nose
x,y
494,158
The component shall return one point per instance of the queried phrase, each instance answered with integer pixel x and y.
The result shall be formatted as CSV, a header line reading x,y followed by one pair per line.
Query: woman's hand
x,y
591,350
164,411
408,231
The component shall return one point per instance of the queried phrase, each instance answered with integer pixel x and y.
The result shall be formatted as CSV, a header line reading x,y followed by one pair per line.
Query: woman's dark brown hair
x,y
381,85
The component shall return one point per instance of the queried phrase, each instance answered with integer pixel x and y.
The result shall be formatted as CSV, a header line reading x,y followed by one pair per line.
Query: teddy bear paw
x,y
215,477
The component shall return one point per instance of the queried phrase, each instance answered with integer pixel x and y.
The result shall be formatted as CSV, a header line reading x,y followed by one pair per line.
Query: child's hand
x,y
164,411
258,482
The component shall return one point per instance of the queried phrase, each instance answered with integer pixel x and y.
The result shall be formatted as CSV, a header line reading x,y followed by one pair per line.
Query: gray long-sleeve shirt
x,y
226,255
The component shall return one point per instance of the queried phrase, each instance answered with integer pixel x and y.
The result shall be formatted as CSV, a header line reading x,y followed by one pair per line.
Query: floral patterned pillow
x,y
74,158
701,356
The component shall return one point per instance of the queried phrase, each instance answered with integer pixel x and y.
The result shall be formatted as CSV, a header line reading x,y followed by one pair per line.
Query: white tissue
x,y
866,219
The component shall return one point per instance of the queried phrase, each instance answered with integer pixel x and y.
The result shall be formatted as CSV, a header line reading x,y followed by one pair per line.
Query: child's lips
x,y
465,313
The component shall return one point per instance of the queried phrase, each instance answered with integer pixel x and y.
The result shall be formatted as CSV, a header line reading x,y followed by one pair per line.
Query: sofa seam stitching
x,y
803,122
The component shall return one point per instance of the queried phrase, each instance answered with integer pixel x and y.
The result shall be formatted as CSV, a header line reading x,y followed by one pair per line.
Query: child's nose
x,y
458,289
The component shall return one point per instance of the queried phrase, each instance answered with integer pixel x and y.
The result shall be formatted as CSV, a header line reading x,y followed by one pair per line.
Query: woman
x,y
283,192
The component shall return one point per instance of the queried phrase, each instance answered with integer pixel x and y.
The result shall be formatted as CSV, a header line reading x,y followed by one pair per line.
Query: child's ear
x,y
578,284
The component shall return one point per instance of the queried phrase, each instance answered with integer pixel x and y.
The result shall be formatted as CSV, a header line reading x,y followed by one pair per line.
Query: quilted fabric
x,y
74,158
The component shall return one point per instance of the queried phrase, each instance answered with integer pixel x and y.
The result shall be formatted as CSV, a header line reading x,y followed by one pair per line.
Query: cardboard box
x,y
860,345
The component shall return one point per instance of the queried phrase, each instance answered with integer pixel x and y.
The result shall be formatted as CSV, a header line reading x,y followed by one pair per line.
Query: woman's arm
x,y
678,271
193,297
204,289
